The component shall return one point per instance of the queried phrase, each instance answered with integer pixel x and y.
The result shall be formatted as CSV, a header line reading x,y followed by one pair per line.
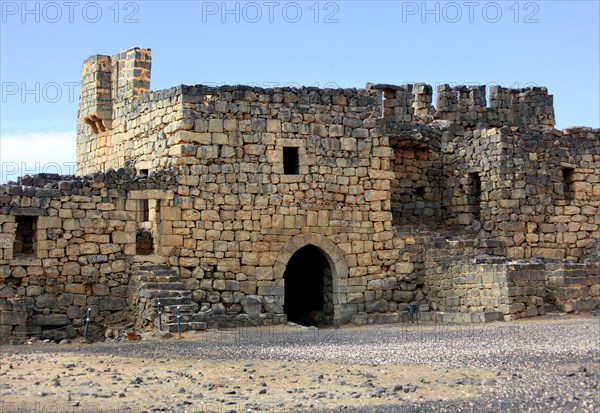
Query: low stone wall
x,y
573,287
13,317
478,289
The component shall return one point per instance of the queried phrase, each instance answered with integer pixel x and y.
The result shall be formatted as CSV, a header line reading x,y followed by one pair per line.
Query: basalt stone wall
x,y
467,106
139,129
77,258
471,160
487,287
221,219
225,184
417,186
547,198
573,286
535,192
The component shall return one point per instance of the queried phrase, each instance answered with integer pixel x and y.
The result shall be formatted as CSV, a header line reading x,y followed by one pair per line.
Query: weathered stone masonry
x,y
201,196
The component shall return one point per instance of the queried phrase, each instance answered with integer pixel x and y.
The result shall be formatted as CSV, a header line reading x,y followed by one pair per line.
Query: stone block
x,y
251,304
34,290
197,138
51,320
71,268
404,267
403,296
100,289
75,288
272,306
46,301
586,304
273,125
112,304
19,272
372,195
376,306
531,311
75,312
120,237
272,290
65,300
170,213
49,222
232,285
172,240
488,316
389,283
514,308
13,318
344,312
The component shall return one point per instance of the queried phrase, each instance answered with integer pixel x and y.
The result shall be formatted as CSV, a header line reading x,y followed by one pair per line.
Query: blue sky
x,y
266,43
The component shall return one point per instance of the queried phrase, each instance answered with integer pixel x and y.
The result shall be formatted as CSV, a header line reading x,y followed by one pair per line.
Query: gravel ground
x,y
546,364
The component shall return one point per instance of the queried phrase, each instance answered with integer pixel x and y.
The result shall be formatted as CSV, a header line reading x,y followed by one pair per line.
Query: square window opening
x,y
291,161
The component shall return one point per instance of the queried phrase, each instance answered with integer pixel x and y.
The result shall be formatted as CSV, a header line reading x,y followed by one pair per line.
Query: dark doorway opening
x,y
308,288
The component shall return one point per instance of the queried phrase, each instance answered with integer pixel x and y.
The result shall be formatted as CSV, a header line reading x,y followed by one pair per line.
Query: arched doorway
x,y
308,287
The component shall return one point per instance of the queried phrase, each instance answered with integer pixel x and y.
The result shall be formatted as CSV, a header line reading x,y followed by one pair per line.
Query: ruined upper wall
x,y
120,120
466,105
148,130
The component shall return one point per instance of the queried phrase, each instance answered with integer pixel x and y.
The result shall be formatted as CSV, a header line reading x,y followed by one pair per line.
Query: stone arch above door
x,y
335,258
334,255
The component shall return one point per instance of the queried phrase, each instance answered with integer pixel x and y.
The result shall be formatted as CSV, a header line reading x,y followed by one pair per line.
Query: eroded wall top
x,y
120,120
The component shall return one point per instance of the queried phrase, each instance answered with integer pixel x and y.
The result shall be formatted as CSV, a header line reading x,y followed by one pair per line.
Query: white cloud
x,y
31,153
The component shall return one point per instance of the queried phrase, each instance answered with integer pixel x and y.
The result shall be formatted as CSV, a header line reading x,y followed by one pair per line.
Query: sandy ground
x,y
109,382
198,373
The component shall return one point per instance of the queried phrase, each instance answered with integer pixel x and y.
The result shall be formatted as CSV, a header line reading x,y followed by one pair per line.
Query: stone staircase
x,y
154,283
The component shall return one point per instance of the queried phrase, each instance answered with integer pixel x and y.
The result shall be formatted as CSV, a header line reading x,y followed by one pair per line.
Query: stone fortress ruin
x,y
249,206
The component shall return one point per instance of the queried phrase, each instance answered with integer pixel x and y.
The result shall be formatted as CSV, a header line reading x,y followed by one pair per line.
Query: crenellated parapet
x,y
521,107
406,103
468,106
463,104
530,107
